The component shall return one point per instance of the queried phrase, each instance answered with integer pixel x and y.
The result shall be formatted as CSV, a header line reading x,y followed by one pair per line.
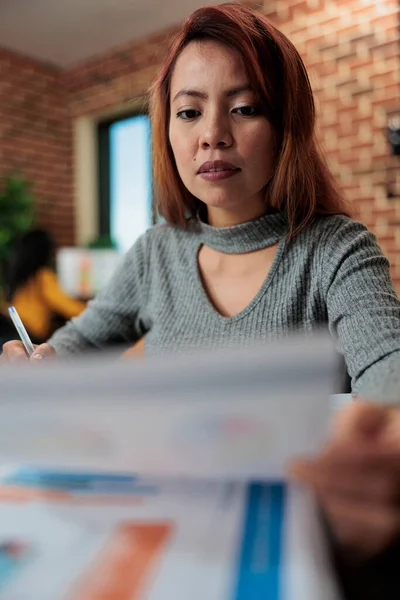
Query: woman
x,y
256,244
33,287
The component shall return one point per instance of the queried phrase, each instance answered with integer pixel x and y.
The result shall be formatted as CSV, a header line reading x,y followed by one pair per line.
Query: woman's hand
x,y
357,478
14,352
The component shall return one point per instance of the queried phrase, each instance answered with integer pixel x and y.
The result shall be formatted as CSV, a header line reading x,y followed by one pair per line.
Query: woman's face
x,y
223,146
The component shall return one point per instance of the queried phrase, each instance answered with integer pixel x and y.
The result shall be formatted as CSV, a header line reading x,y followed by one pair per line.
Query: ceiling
x,y
66,32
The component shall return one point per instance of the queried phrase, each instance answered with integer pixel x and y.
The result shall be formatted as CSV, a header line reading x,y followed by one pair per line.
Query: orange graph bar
x,y
124,564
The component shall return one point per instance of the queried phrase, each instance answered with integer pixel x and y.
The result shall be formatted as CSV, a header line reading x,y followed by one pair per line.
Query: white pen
x,y
23,334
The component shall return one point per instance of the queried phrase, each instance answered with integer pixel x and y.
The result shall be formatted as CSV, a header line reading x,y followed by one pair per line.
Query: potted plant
x,y
17,210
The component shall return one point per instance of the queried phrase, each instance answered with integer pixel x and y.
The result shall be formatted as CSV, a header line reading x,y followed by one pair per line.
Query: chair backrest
x,y
7,330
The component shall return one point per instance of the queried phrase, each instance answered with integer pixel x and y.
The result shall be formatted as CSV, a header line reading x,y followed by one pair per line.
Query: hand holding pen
x,y
24,350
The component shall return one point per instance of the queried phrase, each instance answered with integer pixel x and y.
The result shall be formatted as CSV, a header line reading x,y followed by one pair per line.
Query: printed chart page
x,y
99,537
164,480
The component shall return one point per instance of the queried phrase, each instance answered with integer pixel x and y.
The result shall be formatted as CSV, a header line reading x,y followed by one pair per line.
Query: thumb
x,y
360,420
44,351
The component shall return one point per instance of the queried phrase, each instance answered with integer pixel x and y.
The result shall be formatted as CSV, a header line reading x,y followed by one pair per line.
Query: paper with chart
x,y
98,537
164,480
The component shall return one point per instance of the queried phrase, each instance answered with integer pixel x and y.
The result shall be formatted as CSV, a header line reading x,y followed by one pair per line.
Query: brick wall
x,y
35,138
118,78
352,51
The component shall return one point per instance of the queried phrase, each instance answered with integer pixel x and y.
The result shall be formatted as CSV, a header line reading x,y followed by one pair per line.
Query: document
x,y
165,480
237,414
98,537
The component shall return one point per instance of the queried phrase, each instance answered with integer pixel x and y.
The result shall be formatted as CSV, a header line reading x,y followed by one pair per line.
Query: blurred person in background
x,y
256,244
32,286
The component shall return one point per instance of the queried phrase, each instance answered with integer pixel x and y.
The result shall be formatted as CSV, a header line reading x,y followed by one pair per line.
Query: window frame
x,y
104,170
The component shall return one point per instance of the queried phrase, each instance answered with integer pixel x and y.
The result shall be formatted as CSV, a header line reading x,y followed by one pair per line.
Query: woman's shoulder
x,y
334,224
45,274
338,231
339,238
334,237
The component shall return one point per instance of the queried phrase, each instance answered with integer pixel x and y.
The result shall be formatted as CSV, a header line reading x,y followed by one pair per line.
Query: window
x,y
125,182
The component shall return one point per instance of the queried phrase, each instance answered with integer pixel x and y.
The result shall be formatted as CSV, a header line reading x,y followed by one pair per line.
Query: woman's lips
x,y
218,174
217,170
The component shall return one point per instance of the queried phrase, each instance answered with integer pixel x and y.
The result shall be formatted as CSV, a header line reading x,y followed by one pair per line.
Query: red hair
x,y
301,185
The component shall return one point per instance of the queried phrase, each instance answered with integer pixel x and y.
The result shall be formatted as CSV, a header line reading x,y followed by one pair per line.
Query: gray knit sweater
x,y
333,273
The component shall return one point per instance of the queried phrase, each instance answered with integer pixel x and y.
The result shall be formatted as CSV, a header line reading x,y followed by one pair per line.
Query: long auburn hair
x,y
301,185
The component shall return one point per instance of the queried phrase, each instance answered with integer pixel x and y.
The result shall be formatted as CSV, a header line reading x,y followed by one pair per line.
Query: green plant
x,y
17,210
102,242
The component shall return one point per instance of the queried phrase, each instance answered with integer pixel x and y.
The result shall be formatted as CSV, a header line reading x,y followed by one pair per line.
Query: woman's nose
x,y
216,134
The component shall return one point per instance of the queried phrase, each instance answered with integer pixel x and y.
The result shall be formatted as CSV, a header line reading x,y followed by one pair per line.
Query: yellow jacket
x,y
39,299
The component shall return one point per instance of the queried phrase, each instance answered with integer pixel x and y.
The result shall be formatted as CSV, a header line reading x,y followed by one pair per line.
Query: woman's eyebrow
x,y
193,93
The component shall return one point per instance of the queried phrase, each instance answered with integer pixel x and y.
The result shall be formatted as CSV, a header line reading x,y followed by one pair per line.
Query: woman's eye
x,y
188,114
246,111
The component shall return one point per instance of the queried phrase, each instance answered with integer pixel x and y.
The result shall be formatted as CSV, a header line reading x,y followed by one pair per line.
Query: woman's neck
x,y
221,217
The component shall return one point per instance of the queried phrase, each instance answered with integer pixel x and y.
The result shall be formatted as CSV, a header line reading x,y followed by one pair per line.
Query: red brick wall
x,y
116,78
35,138
352,51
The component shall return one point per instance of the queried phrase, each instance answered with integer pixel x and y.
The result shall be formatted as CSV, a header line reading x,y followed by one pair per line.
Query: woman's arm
x,y
114,316
357,476
363,309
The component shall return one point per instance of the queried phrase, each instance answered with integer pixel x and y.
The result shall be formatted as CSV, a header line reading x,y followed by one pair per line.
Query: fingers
x,y
359,420
382,454
14,352
360,498
354,481
44,351
368,527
